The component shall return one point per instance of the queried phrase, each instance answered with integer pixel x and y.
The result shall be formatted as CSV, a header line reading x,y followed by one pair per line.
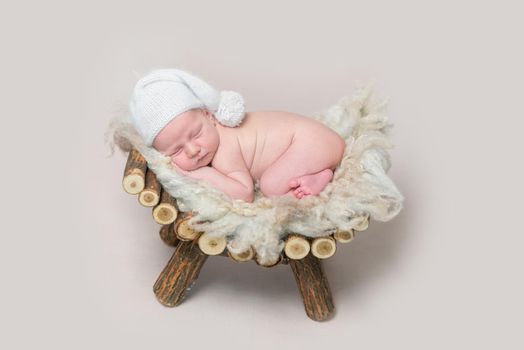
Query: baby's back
x,y
264,136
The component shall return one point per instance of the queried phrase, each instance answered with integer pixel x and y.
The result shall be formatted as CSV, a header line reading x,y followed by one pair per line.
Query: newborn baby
x,y
287,153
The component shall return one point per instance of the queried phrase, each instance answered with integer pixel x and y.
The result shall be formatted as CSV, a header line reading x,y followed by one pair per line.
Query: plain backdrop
x,y
78,256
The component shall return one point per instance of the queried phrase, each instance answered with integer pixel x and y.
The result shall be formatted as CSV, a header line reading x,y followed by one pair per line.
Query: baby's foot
x,y
310,184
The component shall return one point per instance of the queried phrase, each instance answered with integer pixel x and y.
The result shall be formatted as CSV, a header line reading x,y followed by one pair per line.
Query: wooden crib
x,y
303,254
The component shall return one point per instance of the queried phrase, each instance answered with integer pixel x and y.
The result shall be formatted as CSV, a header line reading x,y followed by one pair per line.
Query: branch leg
x,y
179,274
313,286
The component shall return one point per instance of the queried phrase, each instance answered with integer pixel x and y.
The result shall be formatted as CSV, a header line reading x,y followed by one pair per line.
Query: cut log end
x,y
134,173
150,195
344,236
297,247
268,263
164,213
211,245
323,247
242,256
184,232
133,183
148,198
363,224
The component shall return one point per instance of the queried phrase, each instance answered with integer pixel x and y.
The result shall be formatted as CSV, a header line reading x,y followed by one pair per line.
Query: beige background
x,y
79,256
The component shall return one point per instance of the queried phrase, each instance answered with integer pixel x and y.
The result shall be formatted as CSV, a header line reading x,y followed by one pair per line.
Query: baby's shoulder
x,y
229,157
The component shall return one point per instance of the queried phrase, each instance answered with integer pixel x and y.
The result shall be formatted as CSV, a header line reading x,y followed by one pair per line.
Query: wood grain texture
x,y
297,246
313,286
246,255
182,229
166,211
344,236
323,247
211,245
150,195
179,274
134,173
168,235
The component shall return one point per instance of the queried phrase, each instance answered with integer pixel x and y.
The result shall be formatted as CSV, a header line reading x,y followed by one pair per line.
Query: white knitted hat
x,y
165,93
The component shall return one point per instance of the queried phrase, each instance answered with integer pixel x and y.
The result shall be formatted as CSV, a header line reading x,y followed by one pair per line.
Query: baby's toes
x,y
306,190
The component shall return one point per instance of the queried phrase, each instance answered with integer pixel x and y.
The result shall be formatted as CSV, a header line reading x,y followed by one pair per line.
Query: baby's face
x,y
190,139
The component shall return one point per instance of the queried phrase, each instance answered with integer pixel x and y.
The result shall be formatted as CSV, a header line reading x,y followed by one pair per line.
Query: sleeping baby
x,y
208,136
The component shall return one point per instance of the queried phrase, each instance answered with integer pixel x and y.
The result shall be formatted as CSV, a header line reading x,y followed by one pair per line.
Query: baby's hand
x,y
194,174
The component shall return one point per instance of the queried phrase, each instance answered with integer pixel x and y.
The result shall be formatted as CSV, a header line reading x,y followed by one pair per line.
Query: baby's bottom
x,y
305,168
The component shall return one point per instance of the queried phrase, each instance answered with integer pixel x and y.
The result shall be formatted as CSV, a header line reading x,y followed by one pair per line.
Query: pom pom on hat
x,y
230,111
164,94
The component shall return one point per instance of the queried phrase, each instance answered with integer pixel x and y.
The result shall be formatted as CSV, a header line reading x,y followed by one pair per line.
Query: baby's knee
x,y
336,152
273,186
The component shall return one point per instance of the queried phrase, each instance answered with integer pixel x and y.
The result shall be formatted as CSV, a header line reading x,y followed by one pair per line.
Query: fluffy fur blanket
x,y
360,186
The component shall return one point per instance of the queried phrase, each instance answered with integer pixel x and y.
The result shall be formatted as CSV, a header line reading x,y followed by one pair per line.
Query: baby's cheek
x,y
184,165
175,161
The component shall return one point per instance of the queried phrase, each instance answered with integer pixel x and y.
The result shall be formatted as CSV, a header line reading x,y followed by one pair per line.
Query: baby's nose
x,y
192,150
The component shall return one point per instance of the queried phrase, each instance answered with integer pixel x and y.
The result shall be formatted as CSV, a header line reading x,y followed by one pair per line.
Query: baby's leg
x,y
306,166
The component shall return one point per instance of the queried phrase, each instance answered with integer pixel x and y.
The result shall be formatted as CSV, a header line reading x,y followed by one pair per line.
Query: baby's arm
x,y
237,184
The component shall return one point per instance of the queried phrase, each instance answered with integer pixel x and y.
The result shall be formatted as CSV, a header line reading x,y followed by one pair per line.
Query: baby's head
x,y
190,140
169,105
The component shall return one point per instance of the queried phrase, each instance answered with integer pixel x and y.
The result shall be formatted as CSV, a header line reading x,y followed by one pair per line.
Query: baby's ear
x,y
206,112
210,115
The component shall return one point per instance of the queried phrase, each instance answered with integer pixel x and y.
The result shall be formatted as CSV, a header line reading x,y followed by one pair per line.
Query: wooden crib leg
x,y
313,286
179,274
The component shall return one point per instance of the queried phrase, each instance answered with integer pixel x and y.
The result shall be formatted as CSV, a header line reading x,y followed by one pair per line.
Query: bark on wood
x,y
179,274
168,235
166,212
211,245
150,195
344,236
323,247
182,229
313,286
297,247
134,173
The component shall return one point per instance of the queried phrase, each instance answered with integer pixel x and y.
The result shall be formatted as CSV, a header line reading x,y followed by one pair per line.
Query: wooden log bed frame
x,y
303,254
